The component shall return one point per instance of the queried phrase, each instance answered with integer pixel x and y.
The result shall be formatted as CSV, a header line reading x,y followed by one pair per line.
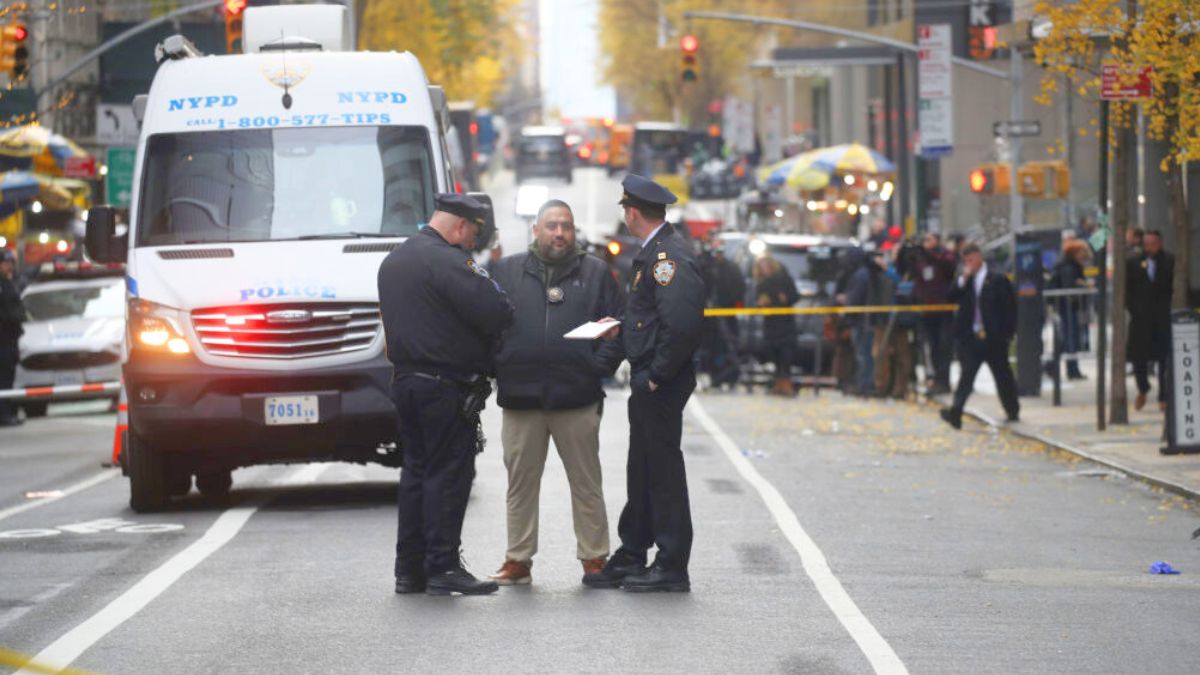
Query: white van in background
x,y
270,185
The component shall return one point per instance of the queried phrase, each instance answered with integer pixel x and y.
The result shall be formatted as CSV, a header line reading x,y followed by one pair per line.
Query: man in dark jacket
x,y
12,314
984,325
1150,276
933,275
550,387
662,327
442,316
865,289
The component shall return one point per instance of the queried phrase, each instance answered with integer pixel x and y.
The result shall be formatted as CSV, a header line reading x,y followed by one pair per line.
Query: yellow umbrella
x,y
798,172
44,151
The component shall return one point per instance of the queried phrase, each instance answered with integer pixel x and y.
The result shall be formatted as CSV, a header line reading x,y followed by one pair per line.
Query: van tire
x,y
147,472
214,483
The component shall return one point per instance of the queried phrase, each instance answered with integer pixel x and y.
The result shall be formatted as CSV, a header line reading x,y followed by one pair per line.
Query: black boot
x,y
413,582
623,564
458,580
953,417
658,579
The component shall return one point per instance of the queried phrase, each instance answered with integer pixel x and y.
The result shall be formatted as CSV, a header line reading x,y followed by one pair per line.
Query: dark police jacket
x,y
537,368
12,312
997,309
442,314
664,317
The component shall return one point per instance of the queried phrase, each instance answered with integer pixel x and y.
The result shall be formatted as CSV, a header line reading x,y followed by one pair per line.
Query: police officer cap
x,y
7,256
463,206
642,190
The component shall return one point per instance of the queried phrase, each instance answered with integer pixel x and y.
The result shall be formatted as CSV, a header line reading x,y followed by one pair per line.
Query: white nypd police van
x,y
269,187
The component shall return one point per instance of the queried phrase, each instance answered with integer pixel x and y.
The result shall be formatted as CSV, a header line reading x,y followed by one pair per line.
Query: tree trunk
x,y
1177,216
1122,156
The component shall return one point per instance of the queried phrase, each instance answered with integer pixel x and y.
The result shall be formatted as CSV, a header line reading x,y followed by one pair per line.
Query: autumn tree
x,y
463,45
635,64
1159,34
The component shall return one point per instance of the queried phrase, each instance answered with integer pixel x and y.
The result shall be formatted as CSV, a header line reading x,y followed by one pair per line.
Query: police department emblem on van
x,y
288,76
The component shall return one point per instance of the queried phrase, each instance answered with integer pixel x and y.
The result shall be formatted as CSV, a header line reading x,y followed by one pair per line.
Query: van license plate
x,y
68,378
290,410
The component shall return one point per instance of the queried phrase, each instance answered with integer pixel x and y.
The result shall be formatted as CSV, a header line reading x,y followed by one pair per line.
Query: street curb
x,y
1156,481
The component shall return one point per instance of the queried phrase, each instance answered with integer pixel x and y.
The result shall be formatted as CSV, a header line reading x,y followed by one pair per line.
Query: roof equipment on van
x,y
175,47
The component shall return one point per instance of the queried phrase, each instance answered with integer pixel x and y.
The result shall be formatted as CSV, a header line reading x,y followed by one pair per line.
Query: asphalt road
x,y
832,536
961,552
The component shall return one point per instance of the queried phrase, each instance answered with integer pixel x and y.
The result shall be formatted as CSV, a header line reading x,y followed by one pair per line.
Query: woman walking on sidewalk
x,y
1072,335
773,287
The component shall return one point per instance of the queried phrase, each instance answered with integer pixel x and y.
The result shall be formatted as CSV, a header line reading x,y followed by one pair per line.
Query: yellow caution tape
x,y
21,662
867,309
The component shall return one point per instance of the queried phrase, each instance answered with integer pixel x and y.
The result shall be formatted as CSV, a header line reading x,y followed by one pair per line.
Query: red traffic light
x,y
689,43
234,7
979,180
18,33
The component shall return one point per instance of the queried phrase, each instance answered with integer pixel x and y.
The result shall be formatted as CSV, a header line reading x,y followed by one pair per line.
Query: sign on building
x,y
935,105
1183,407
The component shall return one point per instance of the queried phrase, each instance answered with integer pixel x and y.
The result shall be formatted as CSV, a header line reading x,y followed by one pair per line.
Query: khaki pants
x,y
526,436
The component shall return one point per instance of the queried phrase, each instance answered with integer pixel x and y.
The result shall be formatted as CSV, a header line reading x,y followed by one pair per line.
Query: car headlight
x,y
155,327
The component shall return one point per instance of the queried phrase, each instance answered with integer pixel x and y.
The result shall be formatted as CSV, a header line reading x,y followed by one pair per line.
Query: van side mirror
x,y
102,242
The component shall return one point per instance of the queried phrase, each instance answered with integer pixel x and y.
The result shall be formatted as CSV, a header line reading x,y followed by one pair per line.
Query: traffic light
x,y
14,55
1045,179
689,58
233,25
991,179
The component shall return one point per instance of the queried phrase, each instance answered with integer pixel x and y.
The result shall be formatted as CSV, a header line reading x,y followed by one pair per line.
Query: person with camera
x,y
933,276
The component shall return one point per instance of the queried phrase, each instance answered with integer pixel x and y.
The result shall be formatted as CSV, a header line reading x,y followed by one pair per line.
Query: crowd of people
x,y
876,353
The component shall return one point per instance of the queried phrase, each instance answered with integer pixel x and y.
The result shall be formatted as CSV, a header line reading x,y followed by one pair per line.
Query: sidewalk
x,y
1130,448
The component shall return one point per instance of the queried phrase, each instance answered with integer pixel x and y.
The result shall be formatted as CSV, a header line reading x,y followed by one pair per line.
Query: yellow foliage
x,y
633,63
1163,36
466,46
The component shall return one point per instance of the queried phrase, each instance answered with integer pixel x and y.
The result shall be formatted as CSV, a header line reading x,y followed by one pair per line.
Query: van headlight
x,y
156,327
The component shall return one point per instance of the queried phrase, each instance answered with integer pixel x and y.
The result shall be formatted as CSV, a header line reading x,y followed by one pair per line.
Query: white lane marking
x,y
883,659
69,647
66,492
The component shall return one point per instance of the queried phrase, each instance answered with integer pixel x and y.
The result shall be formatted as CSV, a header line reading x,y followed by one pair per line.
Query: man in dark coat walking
x,y
1149,278
984,325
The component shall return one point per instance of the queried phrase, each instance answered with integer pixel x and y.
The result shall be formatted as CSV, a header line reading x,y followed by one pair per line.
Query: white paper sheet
x,y
590,330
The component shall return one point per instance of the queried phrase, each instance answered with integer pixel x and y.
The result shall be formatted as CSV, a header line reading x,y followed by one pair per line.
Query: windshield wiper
x,y
349,235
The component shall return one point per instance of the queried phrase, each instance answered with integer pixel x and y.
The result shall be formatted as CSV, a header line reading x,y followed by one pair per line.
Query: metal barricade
x,y
1070,315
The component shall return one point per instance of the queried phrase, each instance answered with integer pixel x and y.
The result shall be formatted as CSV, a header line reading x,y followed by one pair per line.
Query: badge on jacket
x,y
664,271
476,268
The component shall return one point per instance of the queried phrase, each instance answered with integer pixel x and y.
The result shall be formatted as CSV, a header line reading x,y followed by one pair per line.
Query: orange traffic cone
x,y
122,427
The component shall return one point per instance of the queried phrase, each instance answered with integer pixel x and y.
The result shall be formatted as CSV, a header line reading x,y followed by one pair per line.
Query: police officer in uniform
x,y
442,315
662,327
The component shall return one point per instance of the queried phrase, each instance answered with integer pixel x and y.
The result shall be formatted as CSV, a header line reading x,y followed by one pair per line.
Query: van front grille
x,y
291,331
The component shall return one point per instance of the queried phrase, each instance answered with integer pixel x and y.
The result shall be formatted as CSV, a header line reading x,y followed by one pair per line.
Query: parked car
x,y
813,263
75,327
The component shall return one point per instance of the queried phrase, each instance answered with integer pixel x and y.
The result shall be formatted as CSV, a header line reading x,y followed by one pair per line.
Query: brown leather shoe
x,y
513,573
1139,402
593,566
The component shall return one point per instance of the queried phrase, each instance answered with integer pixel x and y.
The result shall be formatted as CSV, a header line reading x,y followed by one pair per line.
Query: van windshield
x,y
270,184
657,151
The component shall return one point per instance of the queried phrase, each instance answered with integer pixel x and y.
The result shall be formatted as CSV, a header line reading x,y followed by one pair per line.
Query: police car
x,y
73,332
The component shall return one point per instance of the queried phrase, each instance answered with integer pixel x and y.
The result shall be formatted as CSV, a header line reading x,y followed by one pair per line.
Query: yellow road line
x,y
869,309
23,663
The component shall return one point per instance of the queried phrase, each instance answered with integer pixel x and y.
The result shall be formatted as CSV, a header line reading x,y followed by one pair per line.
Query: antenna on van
x,y
287,95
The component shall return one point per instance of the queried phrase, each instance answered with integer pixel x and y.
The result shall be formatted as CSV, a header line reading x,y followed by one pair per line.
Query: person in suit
x,y
984,326
1149,278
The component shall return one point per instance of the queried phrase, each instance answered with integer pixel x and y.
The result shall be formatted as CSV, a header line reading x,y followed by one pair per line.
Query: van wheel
x,y
35,409
214,483
148,478
179,482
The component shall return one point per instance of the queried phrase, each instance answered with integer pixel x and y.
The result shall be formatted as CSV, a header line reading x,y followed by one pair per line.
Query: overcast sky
x,y
569,52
